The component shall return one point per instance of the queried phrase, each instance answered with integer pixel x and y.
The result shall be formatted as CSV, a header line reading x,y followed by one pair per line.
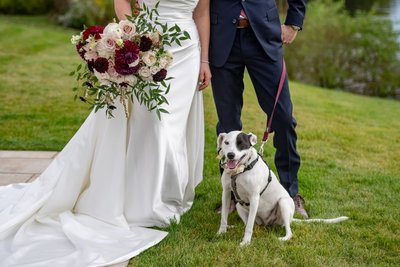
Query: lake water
x,y
388,8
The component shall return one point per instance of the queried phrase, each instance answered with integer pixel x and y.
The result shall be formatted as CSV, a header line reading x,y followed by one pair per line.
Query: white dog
x,y
260,196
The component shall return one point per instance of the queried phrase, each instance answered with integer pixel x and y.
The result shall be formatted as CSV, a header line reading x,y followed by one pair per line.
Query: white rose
x,y
111,35
149,58
131,79
106,46
166,60
154,69
163,63
155,37
127,29
112,28
145,73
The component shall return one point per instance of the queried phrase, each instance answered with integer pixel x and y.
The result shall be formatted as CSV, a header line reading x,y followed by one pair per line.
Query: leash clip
x,y
264,140
261,150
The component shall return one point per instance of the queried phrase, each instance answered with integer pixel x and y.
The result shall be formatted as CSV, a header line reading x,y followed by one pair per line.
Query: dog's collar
x,y
251,165
248,167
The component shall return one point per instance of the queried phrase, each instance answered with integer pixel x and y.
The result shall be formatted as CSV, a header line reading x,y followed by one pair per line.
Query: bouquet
x,y
126,60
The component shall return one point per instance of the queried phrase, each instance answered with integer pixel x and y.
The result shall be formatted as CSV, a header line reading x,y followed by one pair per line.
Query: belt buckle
x,y
241,20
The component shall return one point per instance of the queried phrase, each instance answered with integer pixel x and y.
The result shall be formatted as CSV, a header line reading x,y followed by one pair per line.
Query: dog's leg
x,y
286,209
226,200
254,201
243,213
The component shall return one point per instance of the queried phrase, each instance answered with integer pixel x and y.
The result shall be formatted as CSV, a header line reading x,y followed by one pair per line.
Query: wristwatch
x,y
296,28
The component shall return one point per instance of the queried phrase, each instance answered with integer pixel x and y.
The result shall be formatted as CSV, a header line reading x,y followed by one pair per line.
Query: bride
x,y
117,176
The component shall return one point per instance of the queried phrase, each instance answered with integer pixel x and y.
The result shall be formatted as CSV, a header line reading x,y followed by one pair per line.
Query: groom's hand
x,y
288,34
204,75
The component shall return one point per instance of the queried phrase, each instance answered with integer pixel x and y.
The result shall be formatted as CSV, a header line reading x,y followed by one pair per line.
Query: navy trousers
x,y
228,86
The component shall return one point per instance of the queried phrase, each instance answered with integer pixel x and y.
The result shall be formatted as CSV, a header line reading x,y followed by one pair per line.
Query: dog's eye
x,y
239,142
226,143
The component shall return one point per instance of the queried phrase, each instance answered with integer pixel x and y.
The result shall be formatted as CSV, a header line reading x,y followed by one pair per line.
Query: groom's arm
x,y
294,20
296,12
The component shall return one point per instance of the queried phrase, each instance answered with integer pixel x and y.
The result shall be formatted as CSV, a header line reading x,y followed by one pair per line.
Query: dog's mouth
x,y
232,164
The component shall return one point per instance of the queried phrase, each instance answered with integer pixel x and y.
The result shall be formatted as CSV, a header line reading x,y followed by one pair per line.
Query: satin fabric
x,y
115,177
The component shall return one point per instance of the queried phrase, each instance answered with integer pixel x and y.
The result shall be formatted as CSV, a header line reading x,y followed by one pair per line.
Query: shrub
x,y
25,7
61,6
335,50
87,12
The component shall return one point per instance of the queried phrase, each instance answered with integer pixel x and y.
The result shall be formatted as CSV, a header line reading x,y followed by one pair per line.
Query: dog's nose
x,y
231,155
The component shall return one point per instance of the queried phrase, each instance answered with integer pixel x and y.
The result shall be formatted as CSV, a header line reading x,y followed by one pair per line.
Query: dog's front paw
x,y
245,242
285,238
222,230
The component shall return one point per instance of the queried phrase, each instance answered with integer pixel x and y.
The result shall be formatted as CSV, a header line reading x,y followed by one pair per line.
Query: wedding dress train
x,y
115,177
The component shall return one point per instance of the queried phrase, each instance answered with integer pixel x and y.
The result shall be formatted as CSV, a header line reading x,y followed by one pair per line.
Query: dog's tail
x,y
333,220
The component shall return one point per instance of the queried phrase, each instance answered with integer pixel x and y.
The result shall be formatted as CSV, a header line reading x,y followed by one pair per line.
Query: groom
x,y
248,34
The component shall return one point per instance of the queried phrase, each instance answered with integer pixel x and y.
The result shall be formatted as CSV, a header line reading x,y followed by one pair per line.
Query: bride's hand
x,y
204,75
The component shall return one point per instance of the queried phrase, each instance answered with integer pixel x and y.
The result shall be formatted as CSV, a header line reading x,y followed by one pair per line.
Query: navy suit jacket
x,y
264,20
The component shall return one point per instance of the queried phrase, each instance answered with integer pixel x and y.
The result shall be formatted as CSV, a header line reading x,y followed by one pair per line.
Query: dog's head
x,y
234,146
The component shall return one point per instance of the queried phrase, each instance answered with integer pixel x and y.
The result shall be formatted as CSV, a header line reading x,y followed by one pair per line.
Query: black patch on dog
x,y
243,141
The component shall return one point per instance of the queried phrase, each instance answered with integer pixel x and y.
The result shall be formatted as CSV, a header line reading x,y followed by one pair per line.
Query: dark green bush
x,y
87,12
26,7
355,53
61,6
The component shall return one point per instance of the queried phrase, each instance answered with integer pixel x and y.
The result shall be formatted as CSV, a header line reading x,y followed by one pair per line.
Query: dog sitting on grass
x,y
260,197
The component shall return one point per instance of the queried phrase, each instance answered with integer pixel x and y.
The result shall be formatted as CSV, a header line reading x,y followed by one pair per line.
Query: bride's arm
x,y
122,8
201,16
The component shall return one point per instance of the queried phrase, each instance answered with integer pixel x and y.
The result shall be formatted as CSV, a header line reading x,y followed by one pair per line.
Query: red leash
x,y
269,120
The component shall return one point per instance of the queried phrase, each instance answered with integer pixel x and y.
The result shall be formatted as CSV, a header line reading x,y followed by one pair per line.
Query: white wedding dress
x,y
115,177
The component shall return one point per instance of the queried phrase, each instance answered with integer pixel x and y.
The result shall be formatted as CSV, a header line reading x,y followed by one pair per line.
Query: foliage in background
x,y
26,7
358,54
61,6
87,12
354,5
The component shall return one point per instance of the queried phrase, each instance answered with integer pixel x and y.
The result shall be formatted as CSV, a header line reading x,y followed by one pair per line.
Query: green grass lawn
x,y
350,148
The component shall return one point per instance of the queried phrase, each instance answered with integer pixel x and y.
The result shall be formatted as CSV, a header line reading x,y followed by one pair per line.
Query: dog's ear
x,y
252,139
220,139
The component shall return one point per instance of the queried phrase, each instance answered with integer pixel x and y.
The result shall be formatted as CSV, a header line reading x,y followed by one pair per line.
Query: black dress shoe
x,y
299,206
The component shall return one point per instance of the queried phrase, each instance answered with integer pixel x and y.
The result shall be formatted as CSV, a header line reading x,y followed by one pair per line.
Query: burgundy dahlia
x,y
101,64
90,65
80,50
94,31
160,76
145,43
125,56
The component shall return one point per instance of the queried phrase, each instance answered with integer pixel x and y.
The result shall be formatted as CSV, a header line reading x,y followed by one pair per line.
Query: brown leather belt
x,y
242,23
